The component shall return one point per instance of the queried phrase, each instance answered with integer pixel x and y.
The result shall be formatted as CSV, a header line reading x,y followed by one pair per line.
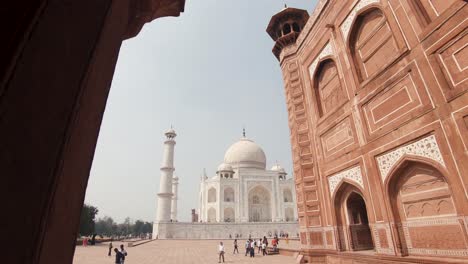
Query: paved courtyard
x,y
174,252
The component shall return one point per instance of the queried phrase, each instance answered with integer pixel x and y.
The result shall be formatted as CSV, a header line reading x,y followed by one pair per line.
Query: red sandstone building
x,y
378,113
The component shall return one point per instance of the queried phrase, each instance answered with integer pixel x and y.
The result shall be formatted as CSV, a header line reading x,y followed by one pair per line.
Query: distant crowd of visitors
x,y
250,246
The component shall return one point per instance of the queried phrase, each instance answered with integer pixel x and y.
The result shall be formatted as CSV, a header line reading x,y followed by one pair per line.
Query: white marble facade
x,y
243,190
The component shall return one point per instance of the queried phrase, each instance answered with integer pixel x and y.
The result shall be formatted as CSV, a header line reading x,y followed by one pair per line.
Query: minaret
x,y
175,183
165,184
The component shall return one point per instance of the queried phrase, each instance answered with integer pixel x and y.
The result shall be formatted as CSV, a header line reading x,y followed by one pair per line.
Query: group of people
x,y
119,254
252,244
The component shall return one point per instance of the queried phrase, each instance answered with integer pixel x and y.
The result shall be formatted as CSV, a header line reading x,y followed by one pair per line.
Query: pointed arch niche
x,y
424,211
354,233
328,90
371,42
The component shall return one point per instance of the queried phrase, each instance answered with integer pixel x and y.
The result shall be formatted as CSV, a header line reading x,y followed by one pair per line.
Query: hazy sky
x,y
209,73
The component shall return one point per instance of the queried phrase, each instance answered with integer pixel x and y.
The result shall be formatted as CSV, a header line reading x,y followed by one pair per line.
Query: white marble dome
x,y
245,154
278,168
224,167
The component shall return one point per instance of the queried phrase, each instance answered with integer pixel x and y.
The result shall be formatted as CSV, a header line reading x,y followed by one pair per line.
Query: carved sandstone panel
x,y
424,192
338,137
383,238
453,60
437,237
434,8
372,43
401,98
316,238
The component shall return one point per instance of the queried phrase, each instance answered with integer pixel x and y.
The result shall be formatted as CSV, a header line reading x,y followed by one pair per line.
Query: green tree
x,y
137,227
105,226
87,220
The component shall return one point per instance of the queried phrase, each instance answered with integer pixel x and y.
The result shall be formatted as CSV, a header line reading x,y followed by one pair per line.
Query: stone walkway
x,y
174,252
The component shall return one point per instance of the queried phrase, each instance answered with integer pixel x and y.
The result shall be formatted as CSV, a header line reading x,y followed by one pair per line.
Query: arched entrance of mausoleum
x,y
354,232
259,205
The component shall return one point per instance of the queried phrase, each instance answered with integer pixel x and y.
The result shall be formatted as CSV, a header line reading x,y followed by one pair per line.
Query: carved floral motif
x,y
426,147
327,51
346,25
354,174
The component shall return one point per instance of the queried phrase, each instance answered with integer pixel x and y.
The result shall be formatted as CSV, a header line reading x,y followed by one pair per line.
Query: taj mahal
x,y
243,190
243,199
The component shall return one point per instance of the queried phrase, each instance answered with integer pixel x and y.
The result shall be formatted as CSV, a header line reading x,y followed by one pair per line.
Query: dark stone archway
x,y
57,64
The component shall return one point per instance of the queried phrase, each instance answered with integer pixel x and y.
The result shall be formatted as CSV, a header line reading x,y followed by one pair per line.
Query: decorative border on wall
x,y
346,25
375,231
326,51
433,222
426,147
354,174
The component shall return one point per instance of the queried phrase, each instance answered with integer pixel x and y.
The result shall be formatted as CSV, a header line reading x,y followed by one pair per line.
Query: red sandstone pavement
x,y
175,252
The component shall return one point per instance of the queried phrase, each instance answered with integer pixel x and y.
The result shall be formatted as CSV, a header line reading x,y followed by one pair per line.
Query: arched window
x,y
328,89
212,195
372,43
295,27
211,215
229,195
287,195
229,215
289,214
286,29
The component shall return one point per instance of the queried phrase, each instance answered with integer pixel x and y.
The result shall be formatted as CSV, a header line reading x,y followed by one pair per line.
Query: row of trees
x,y
106,226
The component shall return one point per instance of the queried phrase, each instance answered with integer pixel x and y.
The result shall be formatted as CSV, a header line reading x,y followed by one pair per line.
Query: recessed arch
x,y
418,190
288,214
259,204
328,90
229,194
229,215
351,217
372,43
287,196
211,215
212,195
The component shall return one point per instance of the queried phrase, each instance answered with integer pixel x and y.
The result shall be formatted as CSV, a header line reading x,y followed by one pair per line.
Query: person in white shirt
x,y
221,252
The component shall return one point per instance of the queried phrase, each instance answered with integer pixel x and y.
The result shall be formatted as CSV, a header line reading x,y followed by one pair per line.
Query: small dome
x,y
278,168
225,167
170,131
245,154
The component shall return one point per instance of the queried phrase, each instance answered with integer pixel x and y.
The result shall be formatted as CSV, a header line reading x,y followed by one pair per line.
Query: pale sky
x,y
209,73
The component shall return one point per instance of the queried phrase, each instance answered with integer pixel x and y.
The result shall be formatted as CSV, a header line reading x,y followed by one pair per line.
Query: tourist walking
x,y
110,249
252,248
235,247
118,256
221,252
259,245
124,254
264,248
247,247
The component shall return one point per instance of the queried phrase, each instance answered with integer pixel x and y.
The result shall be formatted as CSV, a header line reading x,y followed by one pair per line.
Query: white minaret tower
x,y
175,184
165,184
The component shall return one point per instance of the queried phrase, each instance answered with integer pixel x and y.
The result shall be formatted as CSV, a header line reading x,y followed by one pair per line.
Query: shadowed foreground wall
x,y
57,64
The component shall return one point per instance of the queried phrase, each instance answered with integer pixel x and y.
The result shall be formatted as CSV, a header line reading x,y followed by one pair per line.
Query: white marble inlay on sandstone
x,y
426,147
353,174
346,25
327,51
